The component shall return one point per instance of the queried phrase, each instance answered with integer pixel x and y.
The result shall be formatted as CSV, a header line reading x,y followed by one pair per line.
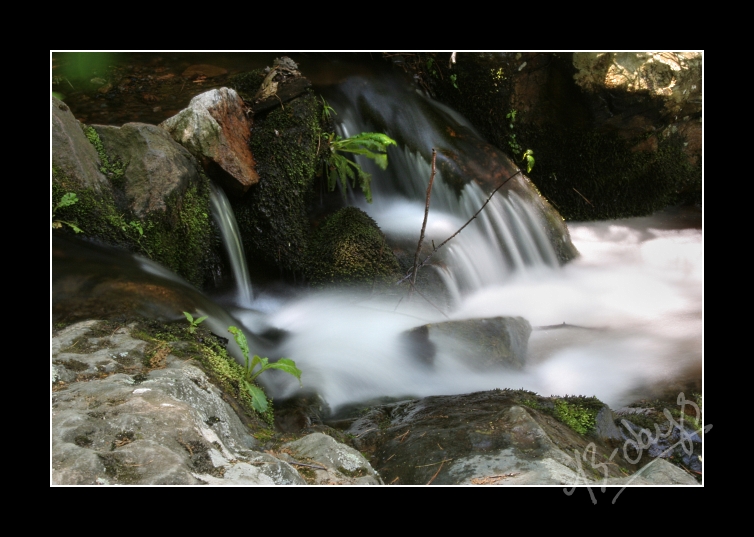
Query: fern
x,y
372,145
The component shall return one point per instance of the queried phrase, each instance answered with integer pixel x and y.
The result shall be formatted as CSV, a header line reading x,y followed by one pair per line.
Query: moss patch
x,y
349,248
182,238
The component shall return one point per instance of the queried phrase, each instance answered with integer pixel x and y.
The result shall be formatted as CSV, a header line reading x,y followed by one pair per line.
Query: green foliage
x,y
372,145
258,398
67,200
454,81
431,66
193,323
327,110
529,158
577,417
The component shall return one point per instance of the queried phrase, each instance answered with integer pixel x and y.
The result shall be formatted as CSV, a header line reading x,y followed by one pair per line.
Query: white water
x,y
226,221
638,282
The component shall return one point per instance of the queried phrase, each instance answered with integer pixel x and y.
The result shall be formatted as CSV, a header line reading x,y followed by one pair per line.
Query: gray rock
x,y
344,465
215,129
158,168
71,151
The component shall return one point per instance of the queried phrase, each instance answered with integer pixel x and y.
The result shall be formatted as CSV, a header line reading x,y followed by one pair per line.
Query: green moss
x,y
247,84
181,238
272,216
577,417
113,169
349,248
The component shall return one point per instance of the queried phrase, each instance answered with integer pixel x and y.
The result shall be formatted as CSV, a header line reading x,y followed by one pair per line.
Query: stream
x,y
621,321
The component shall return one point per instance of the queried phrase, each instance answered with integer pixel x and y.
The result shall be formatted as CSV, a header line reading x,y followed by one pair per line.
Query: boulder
x,y
136,189
216,130
499,437
349,248
484,343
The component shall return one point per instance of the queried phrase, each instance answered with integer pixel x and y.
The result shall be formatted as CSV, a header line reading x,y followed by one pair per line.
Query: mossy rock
x,y
272,216
131,208
349,248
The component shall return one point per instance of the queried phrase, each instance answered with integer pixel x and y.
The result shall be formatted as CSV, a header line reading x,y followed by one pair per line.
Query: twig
x,y
433,464
424,224
437,472
403,436
413,287
582,195
407,276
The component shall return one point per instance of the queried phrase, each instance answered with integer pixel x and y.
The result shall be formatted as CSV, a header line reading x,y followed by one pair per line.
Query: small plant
x,y
136,226
327,110
372,145
529,158
193,323
454,81
258,398
67,200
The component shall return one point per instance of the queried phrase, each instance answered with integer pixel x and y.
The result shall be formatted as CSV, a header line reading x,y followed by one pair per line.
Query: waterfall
x,y
226,221
508,237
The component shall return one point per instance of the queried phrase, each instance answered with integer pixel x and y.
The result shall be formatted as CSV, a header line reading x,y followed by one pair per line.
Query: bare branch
x,y
420,265
424,224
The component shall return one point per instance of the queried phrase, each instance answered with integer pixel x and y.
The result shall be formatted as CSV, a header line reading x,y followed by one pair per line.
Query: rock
x,y
500,437
344,465
156,167
72,154
137,189
349,248
215,129
486,343
117,421
614,134
674,77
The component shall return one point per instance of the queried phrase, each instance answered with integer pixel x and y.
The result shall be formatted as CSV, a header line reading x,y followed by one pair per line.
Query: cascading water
x,y
226,221
636,290
639,315
508,235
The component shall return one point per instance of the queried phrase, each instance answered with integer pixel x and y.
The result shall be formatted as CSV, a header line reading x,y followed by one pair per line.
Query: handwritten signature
x,y
642,439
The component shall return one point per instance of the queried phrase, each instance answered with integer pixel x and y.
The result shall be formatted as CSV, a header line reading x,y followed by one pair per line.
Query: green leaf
x,y
241,340
258,398
68,199
189,317
200,319
289,366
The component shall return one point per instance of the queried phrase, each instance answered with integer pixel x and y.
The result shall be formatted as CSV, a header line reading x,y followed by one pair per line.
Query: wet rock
x,y
156,167
486,343
162,424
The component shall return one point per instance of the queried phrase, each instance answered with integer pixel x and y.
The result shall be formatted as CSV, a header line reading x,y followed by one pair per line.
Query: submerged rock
x,y
485,343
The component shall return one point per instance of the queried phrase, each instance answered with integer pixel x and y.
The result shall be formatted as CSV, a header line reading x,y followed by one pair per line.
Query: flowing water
x,y
632,301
